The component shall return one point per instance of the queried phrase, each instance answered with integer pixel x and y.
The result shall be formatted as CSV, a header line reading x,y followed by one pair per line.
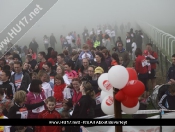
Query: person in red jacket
x,y
142,71
50,113
152,57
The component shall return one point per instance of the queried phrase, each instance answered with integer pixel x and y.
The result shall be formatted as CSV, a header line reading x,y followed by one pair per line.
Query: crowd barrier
x,y
137,128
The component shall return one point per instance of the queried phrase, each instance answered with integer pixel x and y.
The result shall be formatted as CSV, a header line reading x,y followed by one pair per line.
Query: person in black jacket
x,y
168,99
32,62
85,106
139,40
100,61
171,72
20,110
92,77
33,45
53,41
49,51
19,79
5,76
128,43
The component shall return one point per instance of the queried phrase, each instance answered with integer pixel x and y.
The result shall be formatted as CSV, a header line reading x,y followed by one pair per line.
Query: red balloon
x,y
120,96
134,88
130,102
132,74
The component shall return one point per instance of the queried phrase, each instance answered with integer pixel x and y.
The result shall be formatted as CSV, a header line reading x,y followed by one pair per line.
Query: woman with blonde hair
x,y
20,110
43,76
84,108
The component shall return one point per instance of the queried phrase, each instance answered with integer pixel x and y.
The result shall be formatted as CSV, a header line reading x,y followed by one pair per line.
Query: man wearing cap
x,y
99,71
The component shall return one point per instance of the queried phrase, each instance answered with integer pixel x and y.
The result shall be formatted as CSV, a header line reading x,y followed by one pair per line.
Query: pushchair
x,y
157,94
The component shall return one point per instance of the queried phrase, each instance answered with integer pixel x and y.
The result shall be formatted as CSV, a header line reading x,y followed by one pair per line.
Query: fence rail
x,y
163,44
163,40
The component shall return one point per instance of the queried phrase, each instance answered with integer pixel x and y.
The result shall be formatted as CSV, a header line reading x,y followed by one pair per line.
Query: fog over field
x,y
74,15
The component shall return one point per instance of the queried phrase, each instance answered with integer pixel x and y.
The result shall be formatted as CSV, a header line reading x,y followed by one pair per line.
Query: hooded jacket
x,y
33,99
24,83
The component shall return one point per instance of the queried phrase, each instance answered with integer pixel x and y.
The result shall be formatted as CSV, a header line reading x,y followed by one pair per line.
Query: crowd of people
x,y
65,85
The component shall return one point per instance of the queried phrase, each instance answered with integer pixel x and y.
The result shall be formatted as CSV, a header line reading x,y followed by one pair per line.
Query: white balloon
x,y
118,76
107,105
130,110
104,94
104,84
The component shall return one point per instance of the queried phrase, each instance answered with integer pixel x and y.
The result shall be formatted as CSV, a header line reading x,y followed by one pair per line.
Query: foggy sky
x,y
73,15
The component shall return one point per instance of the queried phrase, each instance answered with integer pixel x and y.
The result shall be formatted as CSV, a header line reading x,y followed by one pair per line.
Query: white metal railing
x,y
163,40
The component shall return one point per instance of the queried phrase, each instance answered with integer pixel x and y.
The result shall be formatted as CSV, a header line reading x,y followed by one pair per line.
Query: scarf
x,y
58,92
114,62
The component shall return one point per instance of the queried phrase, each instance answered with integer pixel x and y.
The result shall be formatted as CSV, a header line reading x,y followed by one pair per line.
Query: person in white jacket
x,y
134,47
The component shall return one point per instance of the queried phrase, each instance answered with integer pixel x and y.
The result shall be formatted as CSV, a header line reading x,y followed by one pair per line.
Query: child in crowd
x,y
65,115
61,91
168,99
67,106
148,57
50,113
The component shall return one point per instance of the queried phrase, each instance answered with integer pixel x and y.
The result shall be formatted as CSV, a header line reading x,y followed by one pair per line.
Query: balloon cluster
x,y
130,88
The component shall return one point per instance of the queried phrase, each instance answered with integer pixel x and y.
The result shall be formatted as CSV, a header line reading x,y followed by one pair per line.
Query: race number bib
x,y
132,35
97,98
58,106
39,109
23,112
52,79
128,40
144,63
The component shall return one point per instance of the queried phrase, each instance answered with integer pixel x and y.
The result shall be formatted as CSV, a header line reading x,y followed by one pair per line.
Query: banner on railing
x,y
137,128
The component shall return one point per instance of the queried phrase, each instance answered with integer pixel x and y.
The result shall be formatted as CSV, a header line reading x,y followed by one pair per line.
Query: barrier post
x,y
166,64
117,111
160,119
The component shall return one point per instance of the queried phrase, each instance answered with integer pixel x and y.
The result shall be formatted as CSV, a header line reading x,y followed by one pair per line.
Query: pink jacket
x,y
32,99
